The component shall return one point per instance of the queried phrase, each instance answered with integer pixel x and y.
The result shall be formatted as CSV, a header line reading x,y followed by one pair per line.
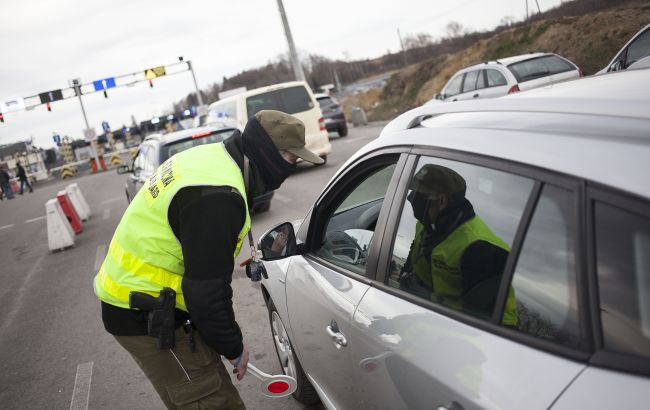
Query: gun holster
x,y
160,314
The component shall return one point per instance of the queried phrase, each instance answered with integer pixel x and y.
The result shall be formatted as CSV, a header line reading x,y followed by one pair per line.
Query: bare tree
x,y
417,41
454,29
507,21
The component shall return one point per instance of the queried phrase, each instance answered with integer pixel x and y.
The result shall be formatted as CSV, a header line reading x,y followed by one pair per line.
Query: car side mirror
x,y
439,96
279,243
617,66
124,169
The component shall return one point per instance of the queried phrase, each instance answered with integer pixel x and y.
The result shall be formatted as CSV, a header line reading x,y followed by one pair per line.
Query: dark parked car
x,y
156,148
334,117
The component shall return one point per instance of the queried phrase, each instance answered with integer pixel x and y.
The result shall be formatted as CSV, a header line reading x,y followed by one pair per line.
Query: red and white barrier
x,y
78,201
69,211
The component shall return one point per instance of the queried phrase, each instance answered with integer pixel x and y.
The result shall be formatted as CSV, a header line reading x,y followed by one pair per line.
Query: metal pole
x,y
295,63
77,90
401,43
196,85
526,10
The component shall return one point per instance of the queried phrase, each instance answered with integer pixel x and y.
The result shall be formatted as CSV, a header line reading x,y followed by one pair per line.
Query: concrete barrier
x,y
69,211
59,231
78,201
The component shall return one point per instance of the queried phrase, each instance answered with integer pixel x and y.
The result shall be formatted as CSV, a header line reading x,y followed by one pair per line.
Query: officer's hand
x,y
242,366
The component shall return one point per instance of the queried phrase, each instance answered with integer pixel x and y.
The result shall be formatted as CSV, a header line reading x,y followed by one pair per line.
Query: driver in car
x,y
455,259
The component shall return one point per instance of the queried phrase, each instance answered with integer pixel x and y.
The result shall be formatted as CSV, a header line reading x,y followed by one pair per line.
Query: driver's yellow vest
x,y
442,270
144,254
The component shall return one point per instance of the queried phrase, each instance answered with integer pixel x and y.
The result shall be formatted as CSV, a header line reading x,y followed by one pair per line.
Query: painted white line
x,y
99,257
108,201
282,198
35,219
6,227
107,213
81,392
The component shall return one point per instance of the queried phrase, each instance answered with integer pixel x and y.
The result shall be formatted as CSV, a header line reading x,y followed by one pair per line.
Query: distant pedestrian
x,y
22,176
4,182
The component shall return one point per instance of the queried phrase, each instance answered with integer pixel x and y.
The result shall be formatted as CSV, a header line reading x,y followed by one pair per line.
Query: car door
x,y
453,88
638,48
497,85
416,350
324,286
619,252
468,90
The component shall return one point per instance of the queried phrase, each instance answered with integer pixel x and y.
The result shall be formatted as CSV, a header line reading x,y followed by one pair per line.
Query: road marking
x,y
282,198
107,213
20,296
81,392
6,227
35,219
108,201
99,256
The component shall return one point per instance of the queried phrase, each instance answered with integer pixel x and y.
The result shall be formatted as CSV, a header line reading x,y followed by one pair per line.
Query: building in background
x,y
29,156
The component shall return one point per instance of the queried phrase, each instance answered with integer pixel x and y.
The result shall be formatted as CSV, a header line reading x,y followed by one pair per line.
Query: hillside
x,y
590,41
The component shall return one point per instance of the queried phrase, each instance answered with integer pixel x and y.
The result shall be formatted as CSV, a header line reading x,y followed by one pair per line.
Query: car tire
x,y
264,207
343,131
305,392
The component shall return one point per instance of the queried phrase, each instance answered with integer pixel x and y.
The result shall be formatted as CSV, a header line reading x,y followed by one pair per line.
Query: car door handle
x,y
337,337
475,95
451,406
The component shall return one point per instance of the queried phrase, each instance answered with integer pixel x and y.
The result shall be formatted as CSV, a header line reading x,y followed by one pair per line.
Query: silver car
x,y
508,75
557,317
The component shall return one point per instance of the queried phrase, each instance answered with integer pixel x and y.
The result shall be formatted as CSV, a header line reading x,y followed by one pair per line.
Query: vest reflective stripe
x,y
144,254
443,272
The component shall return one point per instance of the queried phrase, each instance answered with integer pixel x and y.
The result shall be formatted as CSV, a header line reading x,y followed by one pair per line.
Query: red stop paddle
x,y
279,385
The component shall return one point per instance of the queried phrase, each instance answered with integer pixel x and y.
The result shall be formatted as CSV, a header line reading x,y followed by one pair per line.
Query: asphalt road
x,y
54,351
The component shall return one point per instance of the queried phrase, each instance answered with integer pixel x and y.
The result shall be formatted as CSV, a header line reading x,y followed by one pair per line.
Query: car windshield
x,y
199,139
291,100
539,67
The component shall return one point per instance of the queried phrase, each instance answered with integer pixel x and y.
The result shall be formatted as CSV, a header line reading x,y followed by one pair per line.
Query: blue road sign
x,y
104,84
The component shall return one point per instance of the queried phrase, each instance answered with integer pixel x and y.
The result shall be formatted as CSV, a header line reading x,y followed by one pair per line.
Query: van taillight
x,y
514,89
321,123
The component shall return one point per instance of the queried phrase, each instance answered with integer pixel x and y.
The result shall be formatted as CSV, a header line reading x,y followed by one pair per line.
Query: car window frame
x,y
540,177
602,357
332,194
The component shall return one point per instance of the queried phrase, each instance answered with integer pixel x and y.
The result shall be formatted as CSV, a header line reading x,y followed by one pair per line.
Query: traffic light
x,y
105,94
151,83
49,107
2,117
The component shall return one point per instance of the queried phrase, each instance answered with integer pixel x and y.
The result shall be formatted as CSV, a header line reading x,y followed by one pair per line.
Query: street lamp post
x,y
295,62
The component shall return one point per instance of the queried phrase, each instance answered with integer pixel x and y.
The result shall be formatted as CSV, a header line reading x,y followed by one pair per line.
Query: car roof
x,y
261,90
596,128
184,134
521,57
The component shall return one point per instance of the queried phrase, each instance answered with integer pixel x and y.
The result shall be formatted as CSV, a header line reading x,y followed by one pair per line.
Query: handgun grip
x,y
142,301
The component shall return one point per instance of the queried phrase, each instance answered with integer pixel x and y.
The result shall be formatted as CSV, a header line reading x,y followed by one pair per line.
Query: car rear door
x,y
415,351
619,254
324,286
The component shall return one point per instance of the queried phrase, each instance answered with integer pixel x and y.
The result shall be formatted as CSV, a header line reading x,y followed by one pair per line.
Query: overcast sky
x,y
47,43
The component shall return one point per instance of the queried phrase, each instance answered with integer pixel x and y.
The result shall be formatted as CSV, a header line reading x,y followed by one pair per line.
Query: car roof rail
x,y
417,121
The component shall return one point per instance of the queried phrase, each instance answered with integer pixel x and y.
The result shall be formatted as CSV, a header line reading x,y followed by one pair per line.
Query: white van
x,y
295,98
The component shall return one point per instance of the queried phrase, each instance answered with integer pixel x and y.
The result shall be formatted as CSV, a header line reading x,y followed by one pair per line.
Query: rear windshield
x,y
291,100
539,67
181,145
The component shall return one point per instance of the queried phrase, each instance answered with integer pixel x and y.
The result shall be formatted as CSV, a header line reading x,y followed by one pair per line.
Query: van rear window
x,y
539,67
291,100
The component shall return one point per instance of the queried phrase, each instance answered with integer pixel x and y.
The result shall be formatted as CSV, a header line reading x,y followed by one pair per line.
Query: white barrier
x,y
59,232
78,201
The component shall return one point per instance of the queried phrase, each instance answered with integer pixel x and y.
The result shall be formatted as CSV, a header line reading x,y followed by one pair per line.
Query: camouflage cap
x,y
287,133
434,179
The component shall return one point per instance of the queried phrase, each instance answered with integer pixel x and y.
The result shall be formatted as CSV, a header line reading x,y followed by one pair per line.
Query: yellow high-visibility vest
x,y
441,271
144,254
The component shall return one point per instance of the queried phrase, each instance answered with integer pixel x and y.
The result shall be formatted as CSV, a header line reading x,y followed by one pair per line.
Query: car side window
x,y
453,88
623,269
138,163
480,81
495,78
351,225
457,225
638,49
470,81
544,281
